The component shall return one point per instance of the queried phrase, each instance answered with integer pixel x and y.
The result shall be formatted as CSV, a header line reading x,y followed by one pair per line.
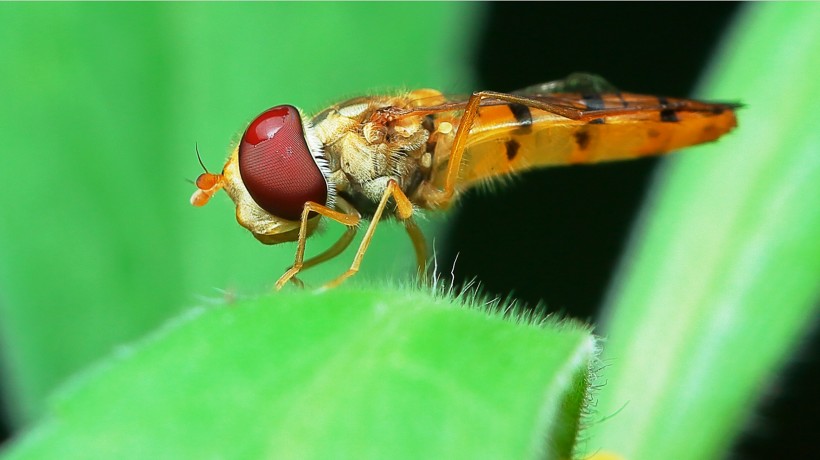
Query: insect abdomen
x,y
548,141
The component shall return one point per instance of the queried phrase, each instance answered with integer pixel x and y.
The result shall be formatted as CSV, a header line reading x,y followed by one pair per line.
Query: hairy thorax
x,y
366,148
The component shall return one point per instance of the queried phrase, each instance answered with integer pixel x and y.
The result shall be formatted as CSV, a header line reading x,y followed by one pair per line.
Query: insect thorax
x,y
365,152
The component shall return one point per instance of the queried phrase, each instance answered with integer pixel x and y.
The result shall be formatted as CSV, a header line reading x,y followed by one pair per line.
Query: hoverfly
x,y
394,155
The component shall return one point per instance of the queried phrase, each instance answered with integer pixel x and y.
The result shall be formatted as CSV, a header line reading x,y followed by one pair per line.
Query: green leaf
x,y
723,282
102,104
344,374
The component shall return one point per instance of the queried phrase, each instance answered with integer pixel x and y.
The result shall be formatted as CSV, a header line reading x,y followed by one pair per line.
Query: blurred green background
x,y
102,105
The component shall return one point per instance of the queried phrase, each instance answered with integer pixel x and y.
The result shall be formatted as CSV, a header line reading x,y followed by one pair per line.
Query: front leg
x,y
350,220
342,243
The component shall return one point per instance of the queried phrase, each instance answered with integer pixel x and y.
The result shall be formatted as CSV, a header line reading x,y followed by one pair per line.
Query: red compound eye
x,y
276,165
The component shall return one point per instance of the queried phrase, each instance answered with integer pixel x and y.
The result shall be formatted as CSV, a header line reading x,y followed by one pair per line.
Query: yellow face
x,y
266,227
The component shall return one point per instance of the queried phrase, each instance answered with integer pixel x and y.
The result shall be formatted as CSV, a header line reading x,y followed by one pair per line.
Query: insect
x,y
392,156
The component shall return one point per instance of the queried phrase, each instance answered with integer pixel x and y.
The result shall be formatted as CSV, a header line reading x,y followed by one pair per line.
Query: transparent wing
x,y
582,83
580,96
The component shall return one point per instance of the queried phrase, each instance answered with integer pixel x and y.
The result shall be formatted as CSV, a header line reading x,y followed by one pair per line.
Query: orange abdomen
x,y
500,144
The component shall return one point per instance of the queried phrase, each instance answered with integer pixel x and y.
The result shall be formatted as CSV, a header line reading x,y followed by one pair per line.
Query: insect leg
x,y
342,243
350,220
404,211
419,245
338,247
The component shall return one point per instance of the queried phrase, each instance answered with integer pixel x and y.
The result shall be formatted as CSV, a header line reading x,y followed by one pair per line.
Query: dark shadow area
x,y
555,236
5,429
785,424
